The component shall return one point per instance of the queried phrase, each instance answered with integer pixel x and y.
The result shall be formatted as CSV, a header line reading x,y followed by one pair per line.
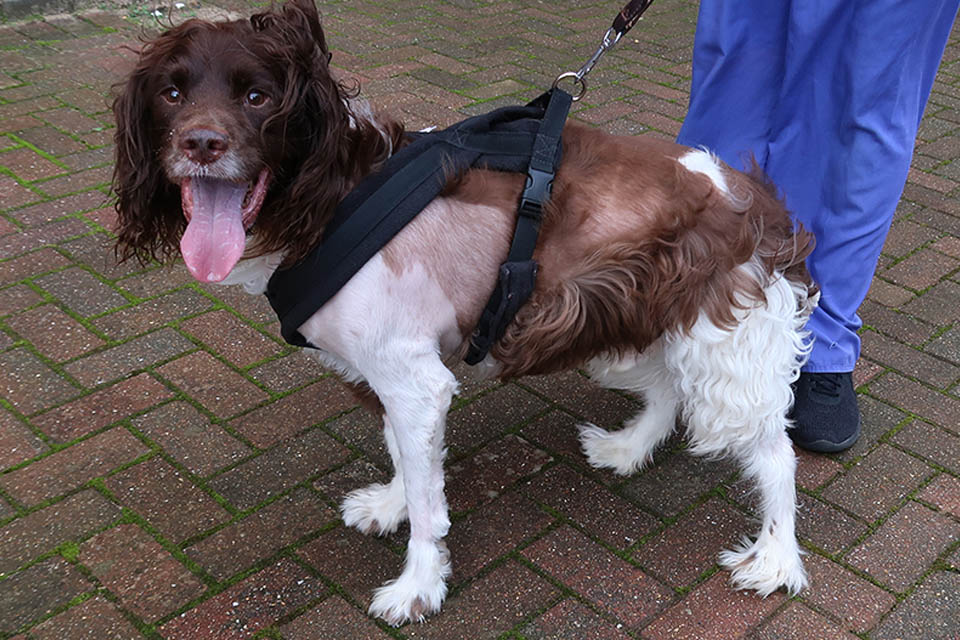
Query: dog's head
x,y
230,128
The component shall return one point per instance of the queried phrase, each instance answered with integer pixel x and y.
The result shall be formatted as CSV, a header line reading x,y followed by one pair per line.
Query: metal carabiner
x,y
624,21
610,39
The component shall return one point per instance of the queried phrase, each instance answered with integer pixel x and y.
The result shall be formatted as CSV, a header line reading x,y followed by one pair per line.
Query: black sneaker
x,y
825,412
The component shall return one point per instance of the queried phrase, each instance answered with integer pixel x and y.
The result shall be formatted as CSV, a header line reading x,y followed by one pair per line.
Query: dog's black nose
x,y
204,146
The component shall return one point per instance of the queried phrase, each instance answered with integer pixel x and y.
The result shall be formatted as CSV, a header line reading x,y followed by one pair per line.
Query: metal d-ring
x,y
610,38
577,78
627,17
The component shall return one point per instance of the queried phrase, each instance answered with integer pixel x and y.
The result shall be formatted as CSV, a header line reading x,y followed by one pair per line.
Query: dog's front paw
x,y
418,592
379,508
765,566
606,450
399,602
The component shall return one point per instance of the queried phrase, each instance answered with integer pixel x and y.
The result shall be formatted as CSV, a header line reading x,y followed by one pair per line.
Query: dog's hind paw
x,y
378,508
610,450
765,566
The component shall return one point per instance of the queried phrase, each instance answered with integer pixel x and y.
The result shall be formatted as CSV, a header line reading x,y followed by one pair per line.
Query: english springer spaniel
x,y
662,272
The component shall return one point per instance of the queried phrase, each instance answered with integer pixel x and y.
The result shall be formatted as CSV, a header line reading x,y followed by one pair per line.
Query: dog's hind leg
x,y
773,560
378,508
416,392
629,449
735,390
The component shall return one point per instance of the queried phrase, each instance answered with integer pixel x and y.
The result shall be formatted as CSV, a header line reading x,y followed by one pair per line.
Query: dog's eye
x,y
256,98
172,95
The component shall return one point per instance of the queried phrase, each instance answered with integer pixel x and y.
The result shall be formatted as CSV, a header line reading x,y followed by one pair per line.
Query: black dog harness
x,y
518,139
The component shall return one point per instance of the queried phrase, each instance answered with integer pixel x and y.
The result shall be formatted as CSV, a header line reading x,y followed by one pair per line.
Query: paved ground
x,y
171,470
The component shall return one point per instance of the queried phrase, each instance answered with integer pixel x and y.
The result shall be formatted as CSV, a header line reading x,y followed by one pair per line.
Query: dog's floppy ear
x,y
295,20
148,213
312,124
324,148
306,10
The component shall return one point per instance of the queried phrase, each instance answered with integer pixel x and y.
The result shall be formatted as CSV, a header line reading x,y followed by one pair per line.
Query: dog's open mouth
x,y
218,213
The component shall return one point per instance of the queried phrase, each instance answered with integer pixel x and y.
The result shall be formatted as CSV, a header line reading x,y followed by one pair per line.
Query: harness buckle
x,y
535,193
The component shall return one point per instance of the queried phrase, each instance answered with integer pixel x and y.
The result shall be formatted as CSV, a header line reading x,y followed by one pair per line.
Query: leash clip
x,y
624,21
610,39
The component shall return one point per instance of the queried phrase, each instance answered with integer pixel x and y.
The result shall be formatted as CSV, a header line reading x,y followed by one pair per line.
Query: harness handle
x,y
624,21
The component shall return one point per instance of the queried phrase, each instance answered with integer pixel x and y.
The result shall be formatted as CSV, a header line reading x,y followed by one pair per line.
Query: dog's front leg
x,y
379,508
416,398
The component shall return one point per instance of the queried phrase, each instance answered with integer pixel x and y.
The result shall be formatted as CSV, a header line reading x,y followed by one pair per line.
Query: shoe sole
x,y
826,446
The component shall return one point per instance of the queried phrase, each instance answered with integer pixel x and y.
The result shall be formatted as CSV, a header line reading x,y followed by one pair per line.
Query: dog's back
x,y
641,236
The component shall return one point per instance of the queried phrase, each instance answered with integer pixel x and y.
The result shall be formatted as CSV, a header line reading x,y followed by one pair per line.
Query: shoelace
x,y
827,384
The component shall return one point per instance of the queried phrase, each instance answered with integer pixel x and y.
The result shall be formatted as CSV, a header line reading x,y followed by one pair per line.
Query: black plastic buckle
x,y
537,191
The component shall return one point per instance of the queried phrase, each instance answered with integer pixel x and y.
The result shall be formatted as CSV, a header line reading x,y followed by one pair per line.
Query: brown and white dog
x,y
663,273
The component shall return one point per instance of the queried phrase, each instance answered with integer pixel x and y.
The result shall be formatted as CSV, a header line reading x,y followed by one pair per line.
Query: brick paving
x,y
170,469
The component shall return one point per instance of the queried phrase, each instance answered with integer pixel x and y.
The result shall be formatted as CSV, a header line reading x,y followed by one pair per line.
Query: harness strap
x,y
340,260
543,163
517,276
385,202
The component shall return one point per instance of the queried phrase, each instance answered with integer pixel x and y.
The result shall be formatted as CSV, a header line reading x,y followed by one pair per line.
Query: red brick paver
x,y
877,482
346,558
856,603
902,549
145,577
17,442
41,531
248,606
167,499
38,591
713,610
682,552
613,584
102,408
277,525
93,619
68,468
796,622
333,618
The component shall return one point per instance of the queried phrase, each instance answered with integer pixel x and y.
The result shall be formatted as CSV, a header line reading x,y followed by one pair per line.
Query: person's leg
x,y
843,140
737,72
856,81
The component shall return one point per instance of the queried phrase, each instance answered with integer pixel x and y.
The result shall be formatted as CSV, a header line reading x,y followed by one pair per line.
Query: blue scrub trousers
x,y
828,96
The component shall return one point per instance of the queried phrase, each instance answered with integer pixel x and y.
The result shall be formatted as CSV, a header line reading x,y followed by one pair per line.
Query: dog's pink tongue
x,y
215,237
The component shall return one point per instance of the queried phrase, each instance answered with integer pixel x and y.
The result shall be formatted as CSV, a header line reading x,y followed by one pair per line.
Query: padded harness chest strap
x,y
508,139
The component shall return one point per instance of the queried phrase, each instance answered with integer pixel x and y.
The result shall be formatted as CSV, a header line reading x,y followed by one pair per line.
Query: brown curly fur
x,y
677,263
